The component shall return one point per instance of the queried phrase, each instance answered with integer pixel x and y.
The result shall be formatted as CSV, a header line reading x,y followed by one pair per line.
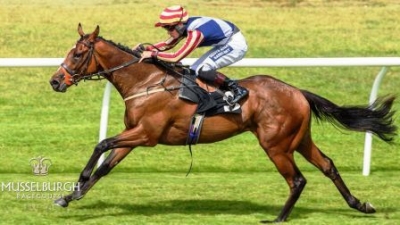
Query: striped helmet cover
x,y
172,15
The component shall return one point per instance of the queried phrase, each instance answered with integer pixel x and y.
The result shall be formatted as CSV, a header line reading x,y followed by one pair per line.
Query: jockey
x,y
227,42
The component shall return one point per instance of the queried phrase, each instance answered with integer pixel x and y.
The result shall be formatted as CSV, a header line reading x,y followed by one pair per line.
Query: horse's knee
x,y
101,147
104,145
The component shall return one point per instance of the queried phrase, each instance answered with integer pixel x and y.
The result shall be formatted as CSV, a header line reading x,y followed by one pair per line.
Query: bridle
x,y
76,77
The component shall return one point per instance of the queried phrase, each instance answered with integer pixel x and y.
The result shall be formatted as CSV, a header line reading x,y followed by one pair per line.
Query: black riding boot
x,y
239,92
221,81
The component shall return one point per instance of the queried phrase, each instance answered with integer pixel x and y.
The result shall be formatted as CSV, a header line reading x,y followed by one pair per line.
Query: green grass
x,y
203,198
232,182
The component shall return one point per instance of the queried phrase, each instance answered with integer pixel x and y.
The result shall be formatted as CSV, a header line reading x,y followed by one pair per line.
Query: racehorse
x,y
278,114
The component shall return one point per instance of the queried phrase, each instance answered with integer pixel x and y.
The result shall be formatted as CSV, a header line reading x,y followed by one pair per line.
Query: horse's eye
x,y
77,56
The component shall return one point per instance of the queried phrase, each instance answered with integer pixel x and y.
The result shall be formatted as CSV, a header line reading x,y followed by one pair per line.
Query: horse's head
x,y
79,63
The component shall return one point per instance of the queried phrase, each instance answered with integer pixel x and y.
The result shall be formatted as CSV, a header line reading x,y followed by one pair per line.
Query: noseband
x,y
82,75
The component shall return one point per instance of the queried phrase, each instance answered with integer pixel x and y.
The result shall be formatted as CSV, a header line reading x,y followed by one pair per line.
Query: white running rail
x,y
384,62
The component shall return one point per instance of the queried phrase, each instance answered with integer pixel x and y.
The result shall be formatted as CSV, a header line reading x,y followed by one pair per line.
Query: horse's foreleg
x,y
100,148
109,163
286,166
122,145
326,165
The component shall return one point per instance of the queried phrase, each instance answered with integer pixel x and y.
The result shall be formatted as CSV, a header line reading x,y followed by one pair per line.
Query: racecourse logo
x,y
40,166
36,189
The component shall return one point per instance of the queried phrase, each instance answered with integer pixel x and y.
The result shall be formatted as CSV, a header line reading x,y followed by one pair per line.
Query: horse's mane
x,y
122,47
136,53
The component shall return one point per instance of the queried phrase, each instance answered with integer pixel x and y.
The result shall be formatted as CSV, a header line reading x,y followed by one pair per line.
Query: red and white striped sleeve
x,y
193,40
164,45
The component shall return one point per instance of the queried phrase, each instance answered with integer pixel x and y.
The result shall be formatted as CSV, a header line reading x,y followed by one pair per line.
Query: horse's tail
x,y
376,118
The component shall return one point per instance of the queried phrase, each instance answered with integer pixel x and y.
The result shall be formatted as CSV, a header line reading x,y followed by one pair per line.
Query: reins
x,y
76,77
100,75
135,60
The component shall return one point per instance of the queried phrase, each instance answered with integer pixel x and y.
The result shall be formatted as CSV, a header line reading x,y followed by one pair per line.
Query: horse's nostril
x,y
54,82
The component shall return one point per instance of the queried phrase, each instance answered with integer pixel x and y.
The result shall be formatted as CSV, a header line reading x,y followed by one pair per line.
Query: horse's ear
x,y
96,31
80,31
95,34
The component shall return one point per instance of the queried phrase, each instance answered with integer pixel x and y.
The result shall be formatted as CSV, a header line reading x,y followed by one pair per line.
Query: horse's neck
x,y
133,78
130,79
111,57
137,77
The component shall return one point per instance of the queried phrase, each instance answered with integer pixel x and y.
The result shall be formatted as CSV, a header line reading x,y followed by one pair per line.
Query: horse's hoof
x,y
61,202
369,208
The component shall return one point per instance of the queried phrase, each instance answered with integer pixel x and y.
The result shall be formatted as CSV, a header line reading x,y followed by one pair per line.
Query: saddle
x,y
209,103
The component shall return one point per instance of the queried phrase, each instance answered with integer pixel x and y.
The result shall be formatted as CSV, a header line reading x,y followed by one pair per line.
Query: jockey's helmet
x,y
172,15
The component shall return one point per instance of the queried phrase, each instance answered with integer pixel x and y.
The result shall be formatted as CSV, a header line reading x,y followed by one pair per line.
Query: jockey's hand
x,y
139,47
146,55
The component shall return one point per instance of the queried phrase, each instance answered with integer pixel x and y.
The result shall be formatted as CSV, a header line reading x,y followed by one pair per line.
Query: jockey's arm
x,y
164,45
193,40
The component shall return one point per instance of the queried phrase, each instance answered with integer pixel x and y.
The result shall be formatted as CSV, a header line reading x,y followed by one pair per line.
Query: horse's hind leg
x,y
286,166
310,151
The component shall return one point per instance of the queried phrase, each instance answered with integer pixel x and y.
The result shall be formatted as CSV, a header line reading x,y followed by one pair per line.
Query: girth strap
x,y
194,133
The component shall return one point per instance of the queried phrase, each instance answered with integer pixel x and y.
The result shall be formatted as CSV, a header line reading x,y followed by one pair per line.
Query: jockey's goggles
x,y
169,27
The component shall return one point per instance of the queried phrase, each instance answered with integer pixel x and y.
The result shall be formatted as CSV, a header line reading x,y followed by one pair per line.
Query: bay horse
x,y
278,114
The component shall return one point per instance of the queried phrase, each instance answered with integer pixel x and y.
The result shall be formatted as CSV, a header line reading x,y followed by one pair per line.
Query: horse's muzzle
x,y
57,84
